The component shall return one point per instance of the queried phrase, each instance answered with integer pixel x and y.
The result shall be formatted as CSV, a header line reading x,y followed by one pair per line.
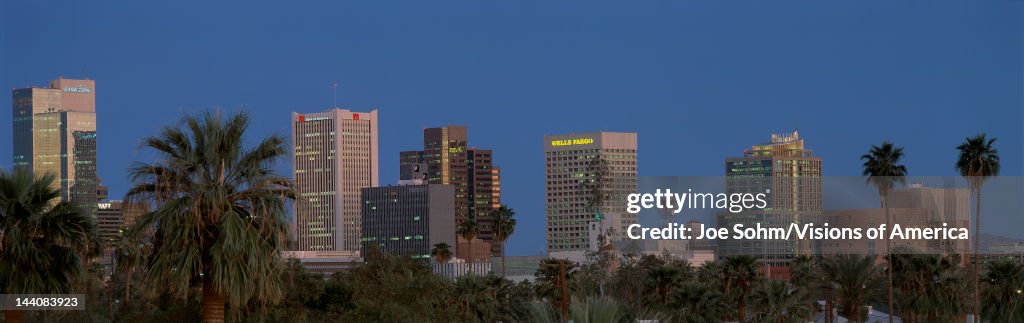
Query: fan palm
x,y
854,278
699,303
441,252
978,161
474,300
548,279
740,275
219,217
468,230
504,226
778,301
1004,300
42,239
128,252
930,286
884,171
806,276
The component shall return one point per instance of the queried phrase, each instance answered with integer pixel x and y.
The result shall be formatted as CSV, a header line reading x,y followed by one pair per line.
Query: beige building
x,y
570,171
916,206
54,130
335,155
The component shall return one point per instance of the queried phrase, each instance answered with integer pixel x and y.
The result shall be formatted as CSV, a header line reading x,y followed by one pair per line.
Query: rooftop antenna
x,y
335,86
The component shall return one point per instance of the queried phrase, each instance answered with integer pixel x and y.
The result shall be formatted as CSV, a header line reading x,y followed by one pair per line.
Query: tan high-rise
x,y
335,155
568,165
54,130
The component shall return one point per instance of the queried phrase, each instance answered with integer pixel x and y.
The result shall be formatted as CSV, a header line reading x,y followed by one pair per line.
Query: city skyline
x,y
939,79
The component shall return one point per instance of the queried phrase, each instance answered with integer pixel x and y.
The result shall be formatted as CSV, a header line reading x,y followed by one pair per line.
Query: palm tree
x,y
978,161
741,273
806,276
778,301
474,300
930,287
1004,300
42,239
884,171
441,252
219,218
854,278
548,279
504,226
662,277
699,302
468,230
128,252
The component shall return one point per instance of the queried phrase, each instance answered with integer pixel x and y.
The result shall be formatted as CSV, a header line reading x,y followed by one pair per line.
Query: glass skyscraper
x,y
54,131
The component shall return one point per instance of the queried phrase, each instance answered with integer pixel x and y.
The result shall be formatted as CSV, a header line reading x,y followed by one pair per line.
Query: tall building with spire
x,y
54,131
334,157
786,171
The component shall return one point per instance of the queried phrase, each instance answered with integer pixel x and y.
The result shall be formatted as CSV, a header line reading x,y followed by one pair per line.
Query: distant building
x,y
448,159
324,262
942,205
114,215
570,162
916,206
790,175
873,217
54,131
408,220
335,156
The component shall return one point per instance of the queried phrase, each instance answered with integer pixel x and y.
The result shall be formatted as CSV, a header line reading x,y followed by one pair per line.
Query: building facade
x,y
448,159
573,166
54,131
790,175
334,157
114,215
408,220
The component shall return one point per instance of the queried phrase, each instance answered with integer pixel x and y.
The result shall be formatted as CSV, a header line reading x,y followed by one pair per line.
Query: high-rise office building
x,y
54,130
114,215
335,156
576,165
786,171
450,160
408,220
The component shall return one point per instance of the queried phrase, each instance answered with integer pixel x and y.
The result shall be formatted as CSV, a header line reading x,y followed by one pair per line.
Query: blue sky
x,y
698,80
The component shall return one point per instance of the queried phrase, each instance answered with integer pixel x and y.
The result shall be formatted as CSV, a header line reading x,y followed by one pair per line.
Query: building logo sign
x,y
79,89
572,142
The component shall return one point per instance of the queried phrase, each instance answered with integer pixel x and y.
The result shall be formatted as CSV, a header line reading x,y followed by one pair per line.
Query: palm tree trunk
x,y
213,303
977,253
502,258
742,308
13,316
127,287
888,251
